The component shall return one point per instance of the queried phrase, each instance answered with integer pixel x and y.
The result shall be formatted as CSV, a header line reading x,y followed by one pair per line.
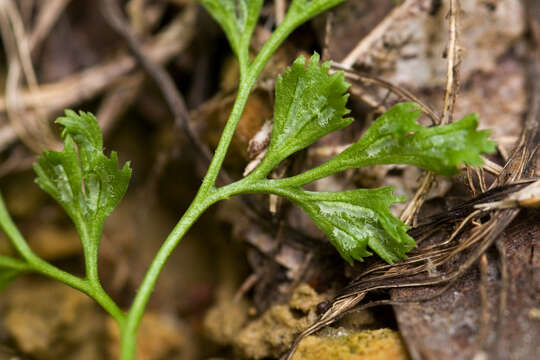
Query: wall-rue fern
x,y
310,103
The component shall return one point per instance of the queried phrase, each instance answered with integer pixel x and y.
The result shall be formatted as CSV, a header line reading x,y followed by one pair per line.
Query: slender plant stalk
x,y
15,264
207,194
129,332
36,264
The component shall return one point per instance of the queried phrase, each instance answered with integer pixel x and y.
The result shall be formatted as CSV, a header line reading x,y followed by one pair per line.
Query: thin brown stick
x,y
376,34
484,302
280,8
327,33
503,294
450,93
172,96
30,127
481,179
491,167
250,281
470,180
46,19
409,213
88,83
398,90
459,228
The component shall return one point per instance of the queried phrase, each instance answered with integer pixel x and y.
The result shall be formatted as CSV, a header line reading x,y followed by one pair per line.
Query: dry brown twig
x,y
452,81
484,318
411,210
172,96
85,85
46,19
280,8
327,33
117,100
29,125
377,33
399,91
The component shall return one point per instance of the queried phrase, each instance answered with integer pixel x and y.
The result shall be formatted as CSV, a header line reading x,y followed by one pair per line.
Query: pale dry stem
x,y
411,210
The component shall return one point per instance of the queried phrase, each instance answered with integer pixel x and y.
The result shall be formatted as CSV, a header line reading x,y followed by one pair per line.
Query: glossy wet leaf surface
x,y
356,220
81,178
396,138
310,103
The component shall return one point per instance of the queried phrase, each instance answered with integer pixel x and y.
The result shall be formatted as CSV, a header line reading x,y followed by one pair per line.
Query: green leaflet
x,y
81,178
309,104
237,18
357,219
301,10
396,138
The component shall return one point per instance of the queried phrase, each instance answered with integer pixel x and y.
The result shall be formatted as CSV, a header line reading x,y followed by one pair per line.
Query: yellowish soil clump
x,y
381,344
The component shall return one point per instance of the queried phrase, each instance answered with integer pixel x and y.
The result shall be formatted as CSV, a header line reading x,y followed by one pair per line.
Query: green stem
x,y
129,333
246,84
32,259
252,185
91,255
324,170
41,266
208,194
102,298
15,264
197,208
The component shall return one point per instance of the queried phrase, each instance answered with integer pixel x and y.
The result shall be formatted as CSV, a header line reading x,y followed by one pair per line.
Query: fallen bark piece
x,y
458,324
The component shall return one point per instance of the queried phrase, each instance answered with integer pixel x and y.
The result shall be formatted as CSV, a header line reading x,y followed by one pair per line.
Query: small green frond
x,y
81,178
310,103
357,219
238,19
396,138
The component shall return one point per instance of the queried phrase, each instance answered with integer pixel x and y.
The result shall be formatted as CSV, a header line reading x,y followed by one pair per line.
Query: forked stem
x,y
207,194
